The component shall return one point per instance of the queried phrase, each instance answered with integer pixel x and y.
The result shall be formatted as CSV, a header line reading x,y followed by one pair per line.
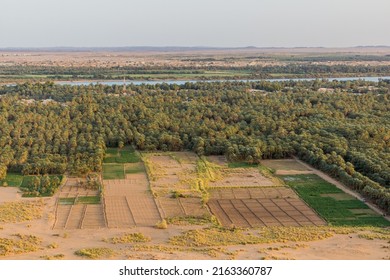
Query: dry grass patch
x,y
240,177
295,234
52,245
14,212
95,253
153,169
376,233
192,220
214,237
19,245
211,252
226,237
130,238
162,224
54,257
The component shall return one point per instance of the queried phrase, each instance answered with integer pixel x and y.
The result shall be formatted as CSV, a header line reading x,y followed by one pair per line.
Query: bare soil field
x,y
241,177
287,166
264,212
79,216
255,193
173,179
70,215
275,223
8,194
277,206
72,189
129,202
273,243
181,207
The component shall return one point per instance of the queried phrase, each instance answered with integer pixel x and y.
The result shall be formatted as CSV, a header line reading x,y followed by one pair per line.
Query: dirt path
x,y
343,187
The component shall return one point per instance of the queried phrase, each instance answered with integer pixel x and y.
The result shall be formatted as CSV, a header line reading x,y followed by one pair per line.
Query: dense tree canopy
x,y
343,130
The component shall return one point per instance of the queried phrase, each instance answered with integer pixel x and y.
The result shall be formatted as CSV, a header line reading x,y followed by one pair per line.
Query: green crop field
x,y
88,200
80,200
325,198
66,200
124,155
241,165
132,168
12,180
27,181
113,171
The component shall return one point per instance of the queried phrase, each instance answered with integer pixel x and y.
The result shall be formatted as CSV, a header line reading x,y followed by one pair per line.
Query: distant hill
x,y
122,49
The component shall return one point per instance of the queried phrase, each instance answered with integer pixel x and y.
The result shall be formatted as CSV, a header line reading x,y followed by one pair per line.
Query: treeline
x,y
41,185
323,69
345,172
50,129
338,58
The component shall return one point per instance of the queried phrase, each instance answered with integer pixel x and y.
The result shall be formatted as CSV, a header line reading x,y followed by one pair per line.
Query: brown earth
x,y
66,241
8,194
277,206
129,202
174,176
242,177
77,216
193,58
340,246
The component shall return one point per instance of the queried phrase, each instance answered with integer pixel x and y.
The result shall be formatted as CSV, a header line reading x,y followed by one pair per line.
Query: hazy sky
x,y
220,23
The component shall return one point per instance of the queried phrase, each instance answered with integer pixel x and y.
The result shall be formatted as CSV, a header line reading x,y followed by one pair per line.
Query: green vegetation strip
x,y
113,171
339,212
133,168
121,155
241,165
66,200
79,200
88,200
12,180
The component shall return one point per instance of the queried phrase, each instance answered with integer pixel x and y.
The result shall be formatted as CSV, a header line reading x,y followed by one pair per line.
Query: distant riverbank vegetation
x,y
19,73
342,128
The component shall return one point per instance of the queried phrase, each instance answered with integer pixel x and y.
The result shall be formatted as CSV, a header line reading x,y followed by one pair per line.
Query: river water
x,y
182,82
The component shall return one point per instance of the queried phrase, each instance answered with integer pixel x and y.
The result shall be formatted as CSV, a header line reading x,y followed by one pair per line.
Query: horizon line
x,y
177,48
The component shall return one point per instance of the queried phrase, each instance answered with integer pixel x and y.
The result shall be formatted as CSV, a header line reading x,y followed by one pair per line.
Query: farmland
x,y
78,207
128,201
174,183
204,220
138,64
337,207
247,198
